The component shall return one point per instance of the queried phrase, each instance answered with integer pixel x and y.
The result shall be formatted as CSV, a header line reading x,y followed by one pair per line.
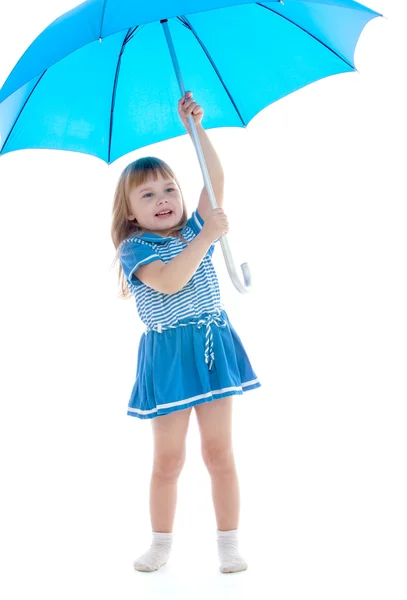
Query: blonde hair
x,y
135,174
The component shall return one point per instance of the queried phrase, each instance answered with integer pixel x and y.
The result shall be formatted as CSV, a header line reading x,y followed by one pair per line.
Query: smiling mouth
x,y
166,213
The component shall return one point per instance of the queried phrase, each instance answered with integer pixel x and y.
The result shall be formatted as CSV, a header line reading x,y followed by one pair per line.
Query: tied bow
x,y
217,320
207,321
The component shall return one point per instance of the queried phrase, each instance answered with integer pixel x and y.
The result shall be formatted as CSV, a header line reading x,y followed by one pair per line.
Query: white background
x,y
316,200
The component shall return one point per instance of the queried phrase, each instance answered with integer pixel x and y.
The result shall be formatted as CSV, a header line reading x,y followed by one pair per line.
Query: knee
x,y
168,466
218,459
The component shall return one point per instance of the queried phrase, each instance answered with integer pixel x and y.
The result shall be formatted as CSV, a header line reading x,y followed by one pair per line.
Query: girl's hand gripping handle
x,y
216,224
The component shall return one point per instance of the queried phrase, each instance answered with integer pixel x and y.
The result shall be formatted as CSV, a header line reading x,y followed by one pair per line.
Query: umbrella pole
x,y
241,287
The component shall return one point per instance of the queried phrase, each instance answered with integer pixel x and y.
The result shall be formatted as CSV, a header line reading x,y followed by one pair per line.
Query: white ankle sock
x,y
158,553
230,559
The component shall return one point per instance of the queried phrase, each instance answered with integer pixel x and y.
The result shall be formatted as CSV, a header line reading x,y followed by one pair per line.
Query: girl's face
x,y
149,200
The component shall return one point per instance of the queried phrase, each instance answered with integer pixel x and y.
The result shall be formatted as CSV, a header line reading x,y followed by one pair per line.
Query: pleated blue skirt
x,y
172,372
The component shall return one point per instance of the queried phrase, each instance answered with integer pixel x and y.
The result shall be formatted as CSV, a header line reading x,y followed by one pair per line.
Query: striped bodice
x,y
200,295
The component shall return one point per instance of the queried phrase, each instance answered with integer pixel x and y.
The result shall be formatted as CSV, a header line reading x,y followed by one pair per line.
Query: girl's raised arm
x,y
188,107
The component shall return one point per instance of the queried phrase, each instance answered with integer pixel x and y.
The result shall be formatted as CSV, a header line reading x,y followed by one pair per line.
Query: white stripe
x,y
142,262
142,412
196,221
181,402
185,307
195,298
250,382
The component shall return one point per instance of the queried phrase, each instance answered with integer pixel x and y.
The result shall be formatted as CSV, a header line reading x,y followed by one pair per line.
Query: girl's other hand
x,y
186,107
216,225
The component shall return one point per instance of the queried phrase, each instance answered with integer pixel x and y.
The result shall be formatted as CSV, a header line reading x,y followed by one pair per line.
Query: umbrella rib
x,y
102,18
308,33
116,77
22,108
214,67
130,36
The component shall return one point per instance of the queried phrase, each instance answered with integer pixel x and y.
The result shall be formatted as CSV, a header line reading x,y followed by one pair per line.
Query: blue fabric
x,y
141,249
133,255
70,91
172,373
187,355
201,294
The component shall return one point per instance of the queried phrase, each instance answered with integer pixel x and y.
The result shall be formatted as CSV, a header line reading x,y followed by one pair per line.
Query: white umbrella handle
x,y
241,287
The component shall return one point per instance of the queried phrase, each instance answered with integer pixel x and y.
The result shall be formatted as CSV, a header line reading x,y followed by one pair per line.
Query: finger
x,y
189,102
190,108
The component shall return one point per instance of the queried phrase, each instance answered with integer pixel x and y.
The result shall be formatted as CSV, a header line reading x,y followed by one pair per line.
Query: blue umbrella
x,y
104,78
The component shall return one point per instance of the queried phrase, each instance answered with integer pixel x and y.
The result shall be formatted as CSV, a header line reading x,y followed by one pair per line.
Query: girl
x,y
189,356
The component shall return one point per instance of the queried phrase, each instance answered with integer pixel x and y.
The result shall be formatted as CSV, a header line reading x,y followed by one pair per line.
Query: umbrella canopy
x,y
100,79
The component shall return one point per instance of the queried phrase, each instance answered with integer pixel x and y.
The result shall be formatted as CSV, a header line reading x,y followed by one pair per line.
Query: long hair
x,y
135,174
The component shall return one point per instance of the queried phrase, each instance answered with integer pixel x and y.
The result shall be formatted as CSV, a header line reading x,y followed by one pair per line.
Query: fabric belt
x,y
203,321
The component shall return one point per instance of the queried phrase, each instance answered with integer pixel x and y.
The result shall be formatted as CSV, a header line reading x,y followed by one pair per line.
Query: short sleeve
x,y
133,254
196,223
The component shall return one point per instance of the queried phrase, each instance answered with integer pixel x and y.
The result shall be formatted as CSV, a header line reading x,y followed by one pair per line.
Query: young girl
x,y
189,356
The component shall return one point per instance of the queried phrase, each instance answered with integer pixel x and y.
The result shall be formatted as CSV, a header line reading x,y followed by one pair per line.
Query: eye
x,y
145,195
171,188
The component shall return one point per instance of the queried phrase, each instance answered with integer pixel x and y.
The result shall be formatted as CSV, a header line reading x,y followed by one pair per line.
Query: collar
x,y
153,237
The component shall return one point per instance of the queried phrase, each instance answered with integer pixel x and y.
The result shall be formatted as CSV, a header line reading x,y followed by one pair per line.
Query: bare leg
x,y
170,433
169,457
226,495
163,501
215,424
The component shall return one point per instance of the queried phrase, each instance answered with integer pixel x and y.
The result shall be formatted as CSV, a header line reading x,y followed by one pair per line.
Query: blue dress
x,y
189,352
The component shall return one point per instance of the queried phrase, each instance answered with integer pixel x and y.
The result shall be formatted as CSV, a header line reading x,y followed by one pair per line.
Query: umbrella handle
x,y
241,287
